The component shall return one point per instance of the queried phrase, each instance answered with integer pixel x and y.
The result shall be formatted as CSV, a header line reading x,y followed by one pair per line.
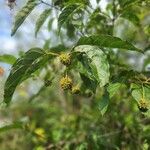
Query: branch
x,y
43,2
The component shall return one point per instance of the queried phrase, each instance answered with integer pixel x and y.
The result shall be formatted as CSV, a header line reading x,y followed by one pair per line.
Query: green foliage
x,y
98,67
9,59
140,91
91,55
68,12
113,88
108,61
126,3
42,18
107,41
131,16
23,14
15,125
103,103
22,69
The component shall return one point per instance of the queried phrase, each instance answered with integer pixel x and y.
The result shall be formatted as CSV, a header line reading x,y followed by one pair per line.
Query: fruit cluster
x,y
66,82
65,59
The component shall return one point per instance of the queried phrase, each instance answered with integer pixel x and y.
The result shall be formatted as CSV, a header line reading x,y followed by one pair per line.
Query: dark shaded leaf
x,y
90,84
16,125
131,16
107,41
20,70
103,103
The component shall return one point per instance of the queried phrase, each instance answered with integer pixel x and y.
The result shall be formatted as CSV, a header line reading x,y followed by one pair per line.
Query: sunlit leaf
x,y
96,63
67,12
6,58
23,14
139,92
15,125
42,18
113,88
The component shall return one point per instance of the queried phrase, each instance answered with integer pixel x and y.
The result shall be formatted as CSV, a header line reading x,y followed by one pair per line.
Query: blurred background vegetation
x,y
44,117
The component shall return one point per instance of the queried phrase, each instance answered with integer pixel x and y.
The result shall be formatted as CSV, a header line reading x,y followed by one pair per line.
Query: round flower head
x,y
143,105
75,89
65,59
66,83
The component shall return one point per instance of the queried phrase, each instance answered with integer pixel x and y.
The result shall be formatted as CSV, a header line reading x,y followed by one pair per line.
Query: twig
x,y
49,4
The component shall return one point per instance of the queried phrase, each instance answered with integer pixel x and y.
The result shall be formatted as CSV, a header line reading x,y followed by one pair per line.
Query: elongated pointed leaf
x,y
42,18
67,12
90,84
97,66
103,103
126,3
114,87
131,16
20,70
22,15
107,41
15,125
9,59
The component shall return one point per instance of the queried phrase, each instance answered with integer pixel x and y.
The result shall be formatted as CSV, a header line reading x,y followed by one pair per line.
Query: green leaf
x,y
9,59
23,14
58,48
83,66
98,1
15,125
131,16
42,18
147,48
96,66
21,70
103,103
138,92
107,41
113,88
126,3
89,84
146,62
67,12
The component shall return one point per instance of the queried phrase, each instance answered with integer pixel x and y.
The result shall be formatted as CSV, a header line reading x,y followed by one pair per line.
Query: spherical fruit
x,y
65,59
66,83
143,105
75,89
